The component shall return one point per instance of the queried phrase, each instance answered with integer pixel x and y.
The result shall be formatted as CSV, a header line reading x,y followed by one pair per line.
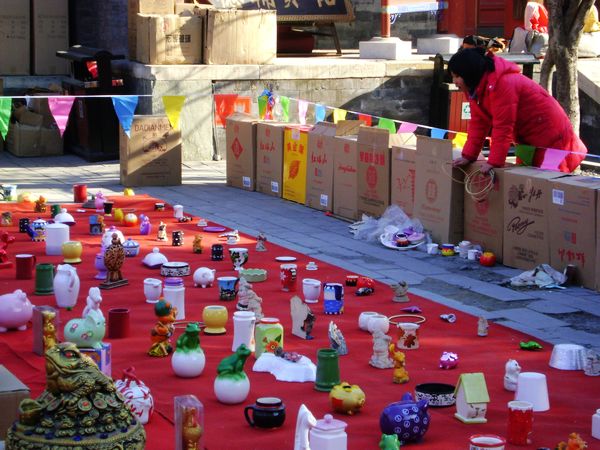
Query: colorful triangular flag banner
x,y
387,124
438,133
459,140
173,106
407,127
319,113
552,159
302,109
224,107
125,108
5,105
285,108
339,114
366,118
524,154
60,107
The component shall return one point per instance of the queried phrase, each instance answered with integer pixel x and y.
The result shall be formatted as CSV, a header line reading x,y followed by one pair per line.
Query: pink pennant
x,y
60,107
302,108
407,127
552,158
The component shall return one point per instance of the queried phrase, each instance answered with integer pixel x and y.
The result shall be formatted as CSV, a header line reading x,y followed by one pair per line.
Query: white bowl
x,y
568,357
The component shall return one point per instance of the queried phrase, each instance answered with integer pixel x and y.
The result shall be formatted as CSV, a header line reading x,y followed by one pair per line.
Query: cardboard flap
x,y
435,148
404,140
374,137
324,129
242,117
348,127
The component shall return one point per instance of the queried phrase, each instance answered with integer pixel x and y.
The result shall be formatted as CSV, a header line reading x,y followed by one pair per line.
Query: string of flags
x,y
270,106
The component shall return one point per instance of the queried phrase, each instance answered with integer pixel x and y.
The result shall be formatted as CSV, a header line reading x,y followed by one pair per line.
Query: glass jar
x,y
268,336
174,293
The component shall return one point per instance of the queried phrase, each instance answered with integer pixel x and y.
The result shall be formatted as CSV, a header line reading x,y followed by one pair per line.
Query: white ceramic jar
x,y
378,322
174,293
66,286
243,330
596,425
56,235
363,319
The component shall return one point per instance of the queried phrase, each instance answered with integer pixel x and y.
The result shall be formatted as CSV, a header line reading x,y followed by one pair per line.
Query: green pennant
x,y
5,105
285,108
525,154
262,106
387,124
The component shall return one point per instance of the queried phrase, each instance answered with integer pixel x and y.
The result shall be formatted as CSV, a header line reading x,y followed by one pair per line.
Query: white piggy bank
x,y
15,311
204,277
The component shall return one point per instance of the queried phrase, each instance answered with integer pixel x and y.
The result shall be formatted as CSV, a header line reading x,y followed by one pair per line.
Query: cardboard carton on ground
x,y
345,176
439,188
483,221
169,39
374,150
527,194
269,157
402,183
12,391
14,37
241,151
152,155
26,117
27,140
320,163
135,7
295,150
227,36
50,27
573,215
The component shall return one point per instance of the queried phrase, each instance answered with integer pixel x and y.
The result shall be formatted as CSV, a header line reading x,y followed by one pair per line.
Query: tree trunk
x,y
564,28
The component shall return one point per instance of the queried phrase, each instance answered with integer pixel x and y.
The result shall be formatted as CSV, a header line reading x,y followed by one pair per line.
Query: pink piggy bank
x,y
449,360
15,311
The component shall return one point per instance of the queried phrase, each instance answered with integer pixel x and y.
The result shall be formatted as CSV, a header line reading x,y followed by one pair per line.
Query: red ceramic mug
x,y
79,193
288,277
25,264
118,323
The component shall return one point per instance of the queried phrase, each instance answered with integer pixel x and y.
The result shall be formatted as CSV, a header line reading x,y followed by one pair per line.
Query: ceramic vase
x,y
100,267
66,286
243,329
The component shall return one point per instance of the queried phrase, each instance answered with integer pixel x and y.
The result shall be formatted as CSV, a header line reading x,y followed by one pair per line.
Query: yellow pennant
x,y
459,140
339,114
173,105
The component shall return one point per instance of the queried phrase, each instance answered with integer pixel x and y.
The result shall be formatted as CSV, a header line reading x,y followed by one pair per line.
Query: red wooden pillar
x,y
386,28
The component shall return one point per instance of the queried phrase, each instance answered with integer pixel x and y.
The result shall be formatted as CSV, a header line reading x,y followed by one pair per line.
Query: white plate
x,y
285,258
389,244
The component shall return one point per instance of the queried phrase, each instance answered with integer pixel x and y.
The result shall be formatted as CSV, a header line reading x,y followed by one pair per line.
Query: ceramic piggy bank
x,y
346,398
86,332
15,311
204,277
406,418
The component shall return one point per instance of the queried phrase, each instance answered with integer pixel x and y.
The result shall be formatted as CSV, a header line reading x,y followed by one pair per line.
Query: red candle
x,y
520,422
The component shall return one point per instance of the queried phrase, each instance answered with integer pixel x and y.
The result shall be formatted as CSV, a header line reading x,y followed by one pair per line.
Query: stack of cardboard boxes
x,y
169,32
527,216
33,134
33,32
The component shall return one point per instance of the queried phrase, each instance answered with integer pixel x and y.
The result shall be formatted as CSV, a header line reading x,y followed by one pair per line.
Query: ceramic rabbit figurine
x,y
88,331
93,302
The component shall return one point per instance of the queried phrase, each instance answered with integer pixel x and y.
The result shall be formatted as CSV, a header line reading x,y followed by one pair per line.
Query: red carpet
x,y
574,397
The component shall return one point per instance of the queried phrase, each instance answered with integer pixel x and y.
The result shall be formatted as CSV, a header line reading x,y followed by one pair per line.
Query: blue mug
x,y
333,298
227,287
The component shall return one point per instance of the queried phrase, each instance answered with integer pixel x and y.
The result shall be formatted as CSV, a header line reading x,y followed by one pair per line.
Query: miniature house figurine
x,y
471,398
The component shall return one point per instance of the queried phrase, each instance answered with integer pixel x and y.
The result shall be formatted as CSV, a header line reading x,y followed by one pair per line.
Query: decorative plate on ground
x,y
385,240
254,275
438,395
285,258
213,229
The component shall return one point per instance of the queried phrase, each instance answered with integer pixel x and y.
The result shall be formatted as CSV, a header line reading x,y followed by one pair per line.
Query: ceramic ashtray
x,y
438,395
175,269
254,275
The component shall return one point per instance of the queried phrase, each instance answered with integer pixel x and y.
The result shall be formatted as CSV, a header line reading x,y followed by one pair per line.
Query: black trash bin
x,y
93,130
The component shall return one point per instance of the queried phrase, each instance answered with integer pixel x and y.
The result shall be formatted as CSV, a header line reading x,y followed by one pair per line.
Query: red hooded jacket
x,y
517,109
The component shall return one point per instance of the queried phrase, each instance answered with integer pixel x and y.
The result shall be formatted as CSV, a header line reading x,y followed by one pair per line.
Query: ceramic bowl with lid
x,y
154,259
131,247
175,269
64,217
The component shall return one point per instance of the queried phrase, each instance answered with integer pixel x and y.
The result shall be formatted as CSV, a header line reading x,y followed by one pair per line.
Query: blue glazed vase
x,y
408,419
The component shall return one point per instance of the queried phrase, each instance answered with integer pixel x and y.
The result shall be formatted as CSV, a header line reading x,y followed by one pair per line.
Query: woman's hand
x,y
485,168
460,162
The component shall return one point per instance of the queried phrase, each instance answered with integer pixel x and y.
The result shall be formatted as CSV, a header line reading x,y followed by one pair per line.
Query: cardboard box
x,y
483,221
572,213
39,105
439,189
374,150
50,23
169,39
345,177
241,151
101,356
26,117
27,140
295,150
135,7
12,391
14,37
227,36
526,199
152,155
402,185
320,164
269,157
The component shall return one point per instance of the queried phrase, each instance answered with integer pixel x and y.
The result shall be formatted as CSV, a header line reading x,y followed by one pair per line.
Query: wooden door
x,y
490,17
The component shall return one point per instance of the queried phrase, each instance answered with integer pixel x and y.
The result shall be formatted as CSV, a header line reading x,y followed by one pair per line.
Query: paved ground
x,y
571,315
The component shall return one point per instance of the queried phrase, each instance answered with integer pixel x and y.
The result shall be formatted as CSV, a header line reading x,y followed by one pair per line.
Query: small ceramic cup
x,y
432,249
214,318
363,319
71,251
267,412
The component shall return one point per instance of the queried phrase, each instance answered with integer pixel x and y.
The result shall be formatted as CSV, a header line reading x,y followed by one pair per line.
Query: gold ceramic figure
x,y
192,431
80,408
48,330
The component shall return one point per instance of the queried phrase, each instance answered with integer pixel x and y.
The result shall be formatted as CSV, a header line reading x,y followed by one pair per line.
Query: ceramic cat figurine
x,y
88,331
512,371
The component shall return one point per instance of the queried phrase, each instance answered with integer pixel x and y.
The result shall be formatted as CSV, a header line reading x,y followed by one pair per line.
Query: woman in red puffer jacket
x,y
513,108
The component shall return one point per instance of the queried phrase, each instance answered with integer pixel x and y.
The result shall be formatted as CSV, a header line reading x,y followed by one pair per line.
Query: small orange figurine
x,y
163,330
574,443
40,205
400,373
192,431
